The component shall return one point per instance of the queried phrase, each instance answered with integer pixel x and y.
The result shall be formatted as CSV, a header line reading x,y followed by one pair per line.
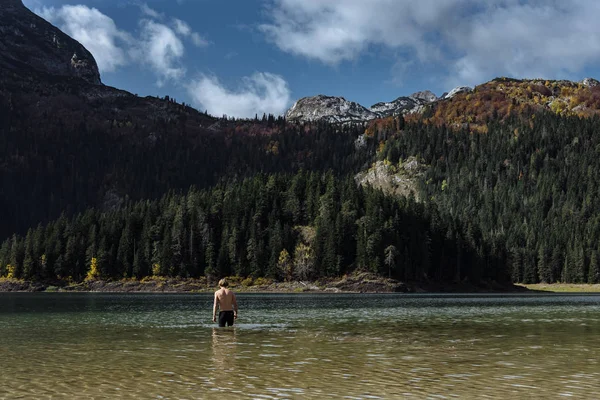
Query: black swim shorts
x,y
226,318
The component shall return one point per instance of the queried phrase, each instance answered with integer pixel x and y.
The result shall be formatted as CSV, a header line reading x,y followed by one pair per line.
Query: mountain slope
x,y
463,105
503,97
31,45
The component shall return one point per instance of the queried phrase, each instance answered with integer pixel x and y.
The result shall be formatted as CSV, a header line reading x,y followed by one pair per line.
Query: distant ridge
x,y
339,110
560,96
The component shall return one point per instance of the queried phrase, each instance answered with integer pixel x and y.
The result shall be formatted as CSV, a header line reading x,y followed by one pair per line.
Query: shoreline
x,y
357,283
562,287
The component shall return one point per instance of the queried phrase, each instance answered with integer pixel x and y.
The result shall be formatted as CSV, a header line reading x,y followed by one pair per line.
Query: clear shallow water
x,y
107,346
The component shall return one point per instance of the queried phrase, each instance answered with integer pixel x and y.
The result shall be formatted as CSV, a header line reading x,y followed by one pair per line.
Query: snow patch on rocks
x,y
457,90
590,82
330,109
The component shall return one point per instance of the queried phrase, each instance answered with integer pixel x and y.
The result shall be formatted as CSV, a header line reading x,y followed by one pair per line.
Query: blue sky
x,y
242,57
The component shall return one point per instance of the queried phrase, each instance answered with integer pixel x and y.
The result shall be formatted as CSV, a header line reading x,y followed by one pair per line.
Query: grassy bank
x,y
563,287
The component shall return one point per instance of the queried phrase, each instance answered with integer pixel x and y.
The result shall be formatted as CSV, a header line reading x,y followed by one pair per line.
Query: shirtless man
x,y
227,304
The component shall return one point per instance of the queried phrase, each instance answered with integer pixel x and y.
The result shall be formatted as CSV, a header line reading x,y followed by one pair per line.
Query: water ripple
x,y
129,347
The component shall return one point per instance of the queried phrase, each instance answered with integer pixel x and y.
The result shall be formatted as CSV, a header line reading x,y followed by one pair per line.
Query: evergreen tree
x,y
4,257
544,267
390,258
29,267
17,254
594,270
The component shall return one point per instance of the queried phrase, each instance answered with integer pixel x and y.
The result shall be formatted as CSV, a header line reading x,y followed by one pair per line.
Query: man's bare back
x,y
226,302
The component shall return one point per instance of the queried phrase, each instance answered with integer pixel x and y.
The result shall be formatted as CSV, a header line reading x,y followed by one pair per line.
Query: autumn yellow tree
x,y
93,272
285,265
304,261
10,271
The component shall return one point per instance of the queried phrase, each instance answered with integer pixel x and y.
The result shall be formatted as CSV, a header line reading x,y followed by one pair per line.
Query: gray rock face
x,y
457,90
338,109
401,105
425,95
330,109
400,181
404,105
29,45
590,82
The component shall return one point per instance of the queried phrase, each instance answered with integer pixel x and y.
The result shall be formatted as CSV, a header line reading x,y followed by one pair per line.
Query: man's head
x,y
223,283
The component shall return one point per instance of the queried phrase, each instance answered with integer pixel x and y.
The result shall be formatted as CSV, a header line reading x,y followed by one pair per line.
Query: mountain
x,y
30,45
404,105
339,110
329,109
68,142
463,105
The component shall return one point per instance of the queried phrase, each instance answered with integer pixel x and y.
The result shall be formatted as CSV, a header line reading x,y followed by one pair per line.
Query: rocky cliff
x,y
30,45
338,109
330,109
404,105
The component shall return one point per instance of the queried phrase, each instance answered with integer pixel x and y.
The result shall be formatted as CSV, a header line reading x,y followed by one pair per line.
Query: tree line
x,y
307,225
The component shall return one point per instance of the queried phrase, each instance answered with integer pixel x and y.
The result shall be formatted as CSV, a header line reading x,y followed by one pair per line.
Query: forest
x,y
303,226
528,188
53,164
270,198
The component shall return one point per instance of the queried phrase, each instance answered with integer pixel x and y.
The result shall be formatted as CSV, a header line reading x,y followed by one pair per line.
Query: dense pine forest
x,y
528,188
302,226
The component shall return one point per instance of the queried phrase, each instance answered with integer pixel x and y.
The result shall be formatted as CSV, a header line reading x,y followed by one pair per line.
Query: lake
x,y
300,346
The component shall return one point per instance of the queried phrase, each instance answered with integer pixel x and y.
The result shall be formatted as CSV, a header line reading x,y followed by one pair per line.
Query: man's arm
x,y
235,307
215,305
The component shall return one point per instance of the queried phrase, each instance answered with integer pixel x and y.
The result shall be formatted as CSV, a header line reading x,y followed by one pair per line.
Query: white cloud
x,y
181,27
162,50
94,30
150,12
339,30
260,93
538,40
472,40
184,29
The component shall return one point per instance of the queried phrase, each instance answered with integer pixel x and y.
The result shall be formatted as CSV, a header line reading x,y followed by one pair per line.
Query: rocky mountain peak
x,y
424,95
328,108
590,82
338,109
31,45
455,91
404,105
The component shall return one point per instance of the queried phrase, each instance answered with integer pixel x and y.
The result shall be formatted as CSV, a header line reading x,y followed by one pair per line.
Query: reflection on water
x,y
224,366
65,346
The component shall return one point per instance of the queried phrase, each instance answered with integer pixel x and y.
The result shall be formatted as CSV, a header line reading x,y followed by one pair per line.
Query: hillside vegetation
x,y
502,98
528,188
